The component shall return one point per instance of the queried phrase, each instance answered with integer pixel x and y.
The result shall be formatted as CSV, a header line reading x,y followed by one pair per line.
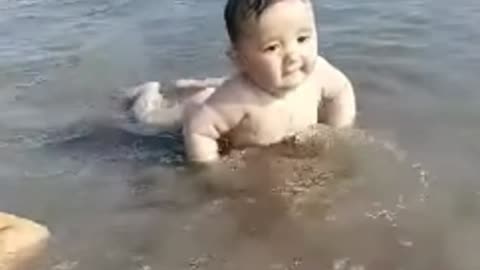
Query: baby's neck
x,y
274,93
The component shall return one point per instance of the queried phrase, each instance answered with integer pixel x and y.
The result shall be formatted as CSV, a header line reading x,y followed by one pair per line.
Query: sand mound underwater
x,y
317,173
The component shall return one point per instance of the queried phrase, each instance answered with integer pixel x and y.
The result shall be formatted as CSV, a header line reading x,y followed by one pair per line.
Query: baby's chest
x,y
272,122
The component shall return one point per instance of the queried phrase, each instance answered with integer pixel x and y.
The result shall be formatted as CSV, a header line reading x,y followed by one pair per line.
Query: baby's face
x,y
278,50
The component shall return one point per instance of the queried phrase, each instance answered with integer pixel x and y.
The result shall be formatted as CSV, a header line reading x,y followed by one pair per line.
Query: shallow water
x,y
113,200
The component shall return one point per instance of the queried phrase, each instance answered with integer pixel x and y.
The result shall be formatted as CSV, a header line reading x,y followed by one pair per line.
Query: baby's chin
x,y
292,81
283,85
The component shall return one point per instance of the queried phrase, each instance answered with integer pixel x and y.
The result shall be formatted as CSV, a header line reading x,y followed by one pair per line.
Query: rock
x,y
21,241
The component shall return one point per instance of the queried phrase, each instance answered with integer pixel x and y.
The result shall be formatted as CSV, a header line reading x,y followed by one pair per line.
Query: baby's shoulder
x,y
234,90
323,66
327,73
225,107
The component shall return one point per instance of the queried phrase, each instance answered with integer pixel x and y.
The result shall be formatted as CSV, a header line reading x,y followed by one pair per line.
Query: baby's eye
x,y
271,48
302,39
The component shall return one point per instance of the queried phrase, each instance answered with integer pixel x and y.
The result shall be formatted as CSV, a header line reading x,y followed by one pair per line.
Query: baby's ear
x,y
233,56
230,53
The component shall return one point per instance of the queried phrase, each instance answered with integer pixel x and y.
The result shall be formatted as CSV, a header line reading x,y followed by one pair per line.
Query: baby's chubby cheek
x,y
310,64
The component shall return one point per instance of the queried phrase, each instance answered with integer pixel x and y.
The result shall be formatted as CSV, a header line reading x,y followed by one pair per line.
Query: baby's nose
x,y
291,57
291,53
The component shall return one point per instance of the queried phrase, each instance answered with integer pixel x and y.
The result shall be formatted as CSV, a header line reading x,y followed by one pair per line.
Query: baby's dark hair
x,y
238,11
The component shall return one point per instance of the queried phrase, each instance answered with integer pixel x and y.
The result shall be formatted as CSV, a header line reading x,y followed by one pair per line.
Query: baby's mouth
x,y
292,69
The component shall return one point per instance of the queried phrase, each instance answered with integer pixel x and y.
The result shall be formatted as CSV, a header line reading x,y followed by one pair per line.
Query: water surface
x,y
414,64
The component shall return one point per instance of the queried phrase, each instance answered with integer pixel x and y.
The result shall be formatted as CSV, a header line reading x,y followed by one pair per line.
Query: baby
x,y
281,87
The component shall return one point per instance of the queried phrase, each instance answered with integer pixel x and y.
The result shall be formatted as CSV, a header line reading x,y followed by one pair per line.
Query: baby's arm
x,y
205,124
202,128
338,107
